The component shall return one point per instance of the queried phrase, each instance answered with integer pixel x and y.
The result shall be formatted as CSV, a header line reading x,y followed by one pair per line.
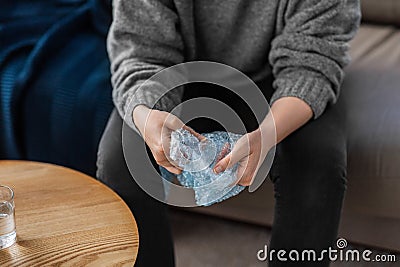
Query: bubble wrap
x,y
197,160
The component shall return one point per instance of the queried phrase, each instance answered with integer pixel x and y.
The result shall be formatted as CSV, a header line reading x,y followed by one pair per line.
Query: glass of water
x,y
8,235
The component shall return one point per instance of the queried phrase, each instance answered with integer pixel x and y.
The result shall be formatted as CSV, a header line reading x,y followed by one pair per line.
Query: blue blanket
x,y
55,94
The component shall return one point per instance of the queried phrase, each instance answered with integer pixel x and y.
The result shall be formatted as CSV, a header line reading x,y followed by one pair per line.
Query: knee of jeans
x,y
311,176
329,162
314,159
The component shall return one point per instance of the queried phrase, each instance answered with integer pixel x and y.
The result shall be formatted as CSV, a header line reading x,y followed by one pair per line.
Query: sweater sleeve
x,y
310,49
143,39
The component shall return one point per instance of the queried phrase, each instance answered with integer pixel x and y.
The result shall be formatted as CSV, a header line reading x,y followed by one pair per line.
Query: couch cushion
x,y
383,11
372,94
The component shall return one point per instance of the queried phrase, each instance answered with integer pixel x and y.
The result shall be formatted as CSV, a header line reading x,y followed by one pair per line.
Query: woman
x,y
299,45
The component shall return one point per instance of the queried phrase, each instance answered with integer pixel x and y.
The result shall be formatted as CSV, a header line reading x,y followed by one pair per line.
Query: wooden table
x,y
65,218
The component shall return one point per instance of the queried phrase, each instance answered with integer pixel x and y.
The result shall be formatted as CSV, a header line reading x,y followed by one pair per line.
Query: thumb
x,y
173,122
228,161
223,164
240,150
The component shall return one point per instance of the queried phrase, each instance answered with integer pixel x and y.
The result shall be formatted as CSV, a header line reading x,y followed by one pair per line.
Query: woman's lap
x,y
309,176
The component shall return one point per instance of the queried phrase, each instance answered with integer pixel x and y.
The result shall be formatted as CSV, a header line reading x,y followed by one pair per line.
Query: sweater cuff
x,y
146,93
311,87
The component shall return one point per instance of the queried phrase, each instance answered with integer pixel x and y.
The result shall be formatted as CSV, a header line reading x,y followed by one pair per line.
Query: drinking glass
x,y
8,235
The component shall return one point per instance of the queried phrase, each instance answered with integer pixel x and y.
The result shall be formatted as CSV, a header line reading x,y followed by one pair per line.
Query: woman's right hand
x,y
156,128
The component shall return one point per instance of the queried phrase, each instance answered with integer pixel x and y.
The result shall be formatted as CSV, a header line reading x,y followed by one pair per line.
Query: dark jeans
x,y
309,176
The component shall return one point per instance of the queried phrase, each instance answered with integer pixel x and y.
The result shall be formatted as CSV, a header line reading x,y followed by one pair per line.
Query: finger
x,y
169,166
224,151
246,176
196,134
245,182
166,146
228,161
161,158
239,151
174,170
170,163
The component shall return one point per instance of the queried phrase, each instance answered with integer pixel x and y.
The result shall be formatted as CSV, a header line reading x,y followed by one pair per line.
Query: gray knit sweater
x,y
304,43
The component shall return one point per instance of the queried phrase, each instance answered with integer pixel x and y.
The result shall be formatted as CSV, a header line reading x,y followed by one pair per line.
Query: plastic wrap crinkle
x,y
197,160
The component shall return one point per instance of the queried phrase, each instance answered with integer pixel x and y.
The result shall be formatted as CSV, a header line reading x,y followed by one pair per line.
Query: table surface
x,y
66,218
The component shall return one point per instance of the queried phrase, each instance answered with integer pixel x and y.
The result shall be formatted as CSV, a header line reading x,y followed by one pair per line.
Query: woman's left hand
x,y
287,114
249,152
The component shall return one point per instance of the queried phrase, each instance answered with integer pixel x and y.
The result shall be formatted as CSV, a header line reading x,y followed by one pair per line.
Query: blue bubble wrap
x,y
197,160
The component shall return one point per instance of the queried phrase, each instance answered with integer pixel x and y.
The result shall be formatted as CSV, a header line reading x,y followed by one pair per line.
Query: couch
x,y
371,95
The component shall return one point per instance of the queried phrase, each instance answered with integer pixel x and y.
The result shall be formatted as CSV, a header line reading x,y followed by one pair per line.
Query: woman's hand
x,y
249,152
287,114
156,127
